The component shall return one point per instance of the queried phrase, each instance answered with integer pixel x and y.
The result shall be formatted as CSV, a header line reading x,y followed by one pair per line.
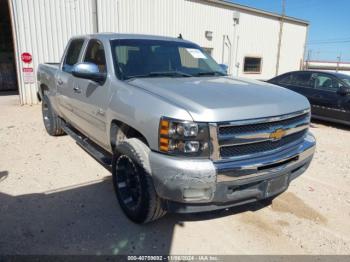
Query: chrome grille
x,y
229,130
248,149
246,138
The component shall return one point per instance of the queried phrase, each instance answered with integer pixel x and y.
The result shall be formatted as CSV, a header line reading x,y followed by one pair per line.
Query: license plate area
x,y
276,185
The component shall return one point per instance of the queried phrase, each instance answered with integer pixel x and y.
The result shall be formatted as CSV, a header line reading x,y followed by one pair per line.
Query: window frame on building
x,y
253,57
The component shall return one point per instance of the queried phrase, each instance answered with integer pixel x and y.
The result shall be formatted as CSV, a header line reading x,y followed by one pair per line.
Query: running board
x,y
98,153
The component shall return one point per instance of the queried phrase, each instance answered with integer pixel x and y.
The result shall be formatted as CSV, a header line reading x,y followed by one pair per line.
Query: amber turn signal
x,y
164,144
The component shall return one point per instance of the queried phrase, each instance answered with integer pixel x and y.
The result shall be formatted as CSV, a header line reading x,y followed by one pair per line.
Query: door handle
x,y
59,82
77,90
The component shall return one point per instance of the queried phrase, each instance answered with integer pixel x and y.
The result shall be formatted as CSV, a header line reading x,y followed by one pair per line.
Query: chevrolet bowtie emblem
x,y
277,134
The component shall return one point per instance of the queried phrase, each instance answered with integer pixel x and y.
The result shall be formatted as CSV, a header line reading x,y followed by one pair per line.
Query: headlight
x,y
183,137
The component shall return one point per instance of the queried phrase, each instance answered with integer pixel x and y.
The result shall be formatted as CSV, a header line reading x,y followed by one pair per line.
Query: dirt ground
x,y
56,199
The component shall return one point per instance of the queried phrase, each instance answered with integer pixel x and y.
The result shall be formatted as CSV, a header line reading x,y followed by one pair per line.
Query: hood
x,y
216,99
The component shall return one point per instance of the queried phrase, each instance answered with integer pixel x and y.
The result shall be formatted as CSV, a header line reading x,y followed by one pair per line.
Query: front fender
x,y
142,111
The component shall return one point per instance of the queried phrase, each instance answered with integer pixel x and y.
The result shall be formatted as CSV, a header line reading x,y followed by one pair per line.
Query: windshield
x,y
156,58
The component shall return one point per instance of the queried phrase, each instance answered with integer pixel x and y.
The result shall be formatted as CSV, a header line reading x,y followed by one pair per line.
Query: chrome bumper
x,y
215,185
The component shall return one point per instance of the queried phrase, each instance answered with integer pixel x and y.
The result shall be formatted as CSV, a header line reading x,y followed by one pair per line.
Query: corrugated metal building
x,y
244,38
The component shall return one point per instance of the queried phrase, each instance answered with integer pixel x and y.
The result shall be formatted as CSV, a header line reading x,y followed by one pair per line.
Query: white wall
x,y
167,18
258,37
257,34
292,47
43,28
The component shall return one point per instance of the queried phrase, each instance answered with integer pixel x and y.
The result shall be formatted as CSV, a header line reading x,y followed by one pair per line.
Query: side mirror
x,y
88,71
224,67
343,91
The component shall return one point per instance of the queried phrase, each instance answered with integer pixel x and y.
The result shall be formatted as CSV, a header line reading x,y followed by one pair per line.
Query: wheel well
x,y
120,131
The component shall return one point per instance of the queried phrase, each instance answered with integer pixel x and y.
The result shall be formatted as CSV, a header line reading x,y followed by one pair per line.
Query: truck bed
x,y
46,75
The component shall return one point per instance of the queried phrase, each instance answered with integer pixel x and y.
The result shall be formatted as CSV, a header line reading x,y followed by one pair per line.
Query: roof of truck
x,y
112,36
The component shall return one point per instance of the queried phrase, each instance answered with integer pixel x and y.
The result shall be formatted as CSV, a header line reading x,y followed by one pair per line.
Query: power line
x,y
304,5
329,42
331,39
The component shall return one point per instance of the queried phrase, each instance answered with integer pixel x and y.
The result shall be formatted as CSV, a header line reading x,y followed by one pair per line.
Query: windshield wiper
x,y
160,74
211,73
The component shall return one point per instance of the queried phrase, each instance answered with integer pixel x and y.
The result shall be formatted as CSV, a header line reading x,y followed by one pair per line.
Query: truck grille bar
x,y
243,139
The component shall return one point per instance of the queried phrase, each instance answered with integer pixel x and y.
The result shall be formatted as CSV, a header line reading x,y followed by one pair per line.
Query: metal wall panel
x,y
167,18
292,47
42,28
256,35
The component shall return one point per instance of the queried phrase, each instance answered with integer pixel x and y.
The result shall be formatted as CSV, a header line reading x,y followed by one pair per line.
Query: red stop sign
x,y
26,58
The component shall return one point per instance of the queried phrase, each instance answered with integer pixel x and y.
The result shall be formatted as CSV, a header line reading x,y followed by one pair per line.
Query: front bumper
x,y
190,185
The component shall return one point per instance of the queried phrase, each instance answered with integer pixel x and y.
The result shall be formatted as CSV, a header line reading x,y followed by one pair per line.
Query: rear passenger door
x,y
300,82
65,80
326,101
296,81
282,80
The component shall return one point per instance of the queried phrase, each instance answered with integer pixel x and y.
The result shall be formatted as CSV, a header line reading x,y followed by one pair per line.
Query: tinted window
x,y
252,65
285,79
347,81
345,78
72,55
301,79
95,54
324,81
141,57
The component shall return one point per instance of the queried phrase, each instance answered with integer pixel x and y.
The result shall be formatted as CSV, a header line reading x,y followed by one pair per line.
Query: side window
x,y
285,79
301,79
72,55
95,54
325,82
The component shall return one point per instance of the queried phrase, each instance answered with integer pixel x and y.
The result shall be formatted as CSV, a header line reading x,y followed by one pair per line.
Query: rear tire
x,y
52,123
133,183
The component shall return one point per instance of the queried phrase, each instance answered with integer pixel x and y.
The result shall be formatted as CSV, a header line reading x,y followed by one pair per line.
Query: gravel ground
x,y
56,199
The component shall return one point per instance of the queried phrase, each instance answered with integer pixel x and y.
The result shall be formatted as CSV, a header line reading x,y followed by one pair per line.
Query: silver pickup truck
x,y
177,133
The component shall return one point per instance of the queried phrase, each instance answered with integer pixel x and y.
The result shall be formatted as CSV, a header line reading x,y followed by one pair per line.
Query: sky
x,y
329,31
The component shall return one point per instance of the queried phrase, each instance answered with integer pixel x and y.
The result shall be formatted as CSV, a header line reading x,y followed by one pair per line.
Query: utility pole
x,y
280,36
338,62
95,28
308,58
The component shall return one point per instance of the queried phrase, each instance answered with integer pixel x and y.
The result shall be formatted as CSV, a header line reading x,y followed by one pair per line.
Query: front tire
x,y
52,123
133,182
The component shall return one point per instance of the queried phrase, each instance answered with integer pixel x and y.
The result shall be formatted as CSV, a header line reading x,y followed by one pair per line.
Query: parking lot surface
x,y
56,199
